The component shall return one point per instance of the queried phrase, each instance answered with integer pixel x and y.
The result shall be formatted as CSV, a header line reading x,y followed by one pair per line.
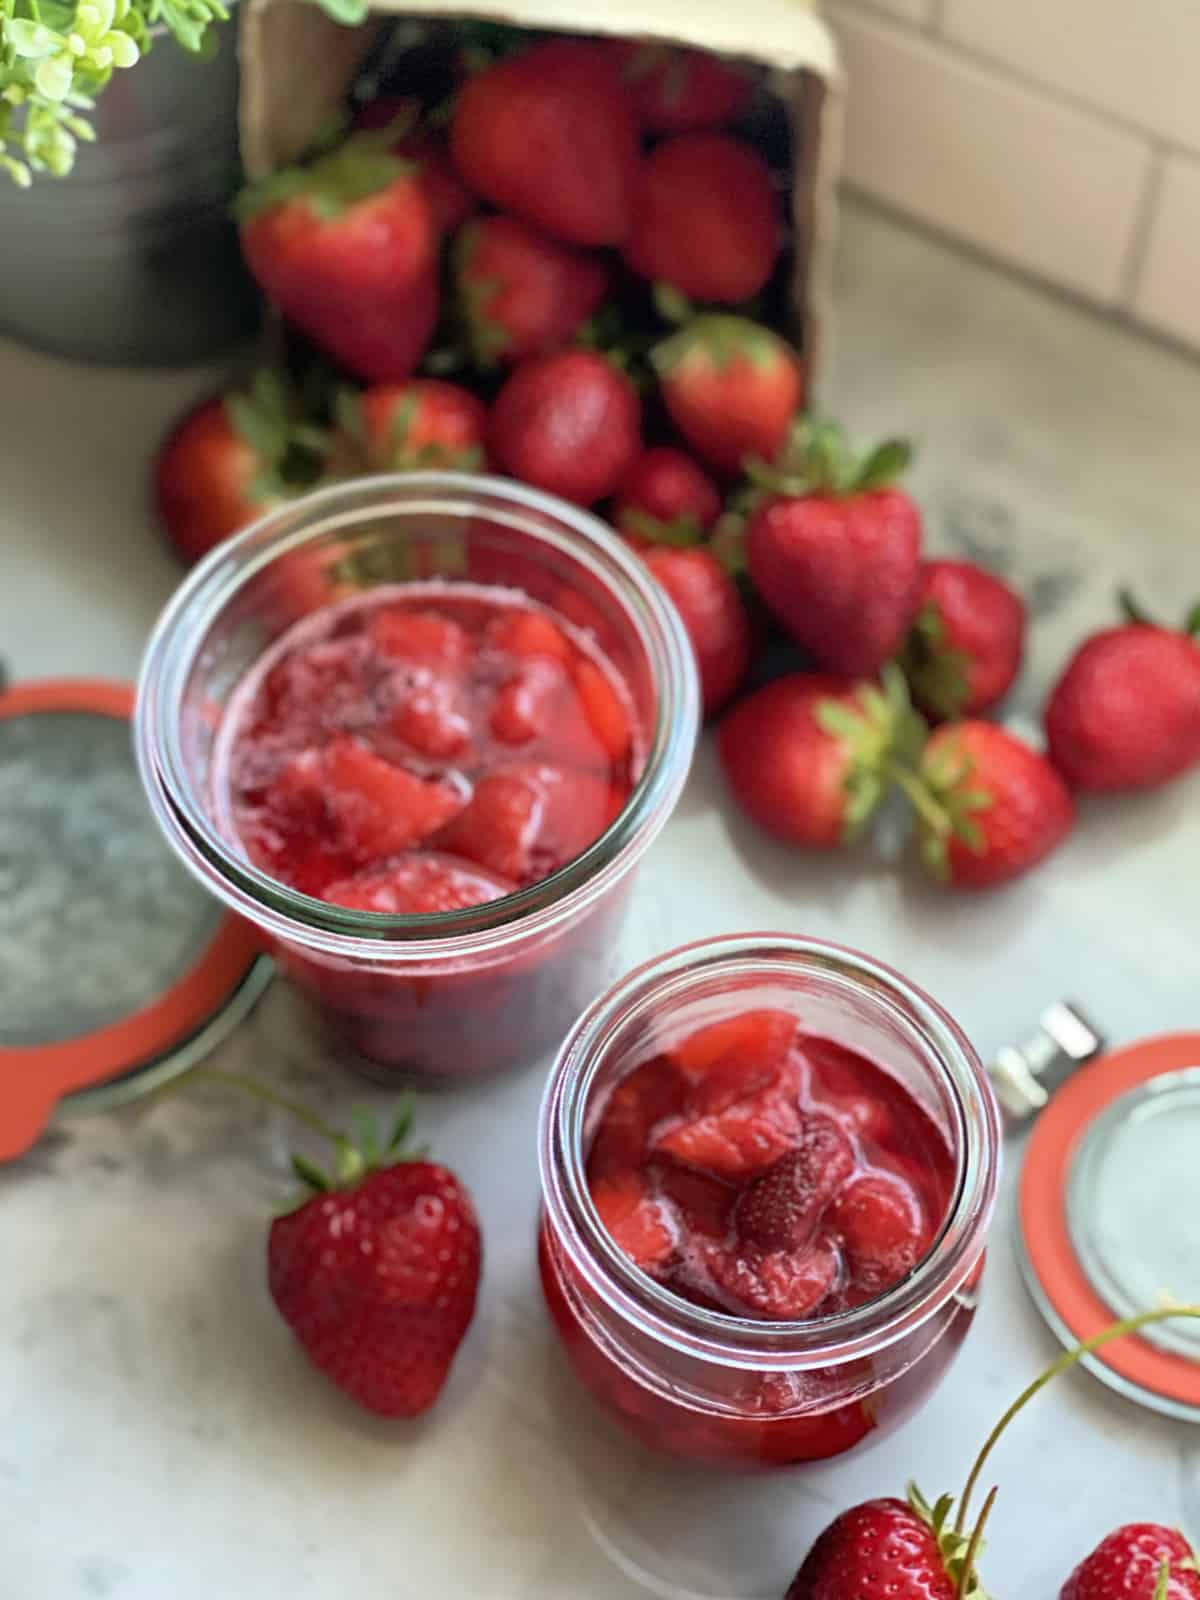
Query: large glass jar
x,y
445,994
707,1386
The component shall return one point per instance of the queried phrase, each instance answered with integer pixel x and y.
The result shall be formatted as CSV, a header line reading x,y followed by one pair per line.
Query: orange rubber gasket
x,y
33,1078
1043,1211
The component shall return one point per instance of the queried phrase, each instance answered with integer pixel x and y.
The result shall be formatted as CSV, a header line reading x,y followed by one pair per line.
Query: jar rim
x,y
720,1336
175,646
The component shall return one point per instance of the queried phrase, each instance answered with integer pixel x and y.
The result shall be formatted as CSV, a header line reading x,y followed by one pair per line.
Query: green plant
x,y
57,55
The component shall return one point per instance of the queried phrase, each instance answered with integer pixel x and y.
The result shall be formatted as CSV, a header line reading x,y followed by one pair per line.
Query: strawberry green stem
x,y
918,795
1116,1330
272,1097
975,1545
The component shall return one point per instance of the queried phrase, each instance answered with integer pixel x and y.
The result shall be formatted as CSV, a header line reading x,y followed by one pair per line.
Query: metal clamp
x,y
1025,1077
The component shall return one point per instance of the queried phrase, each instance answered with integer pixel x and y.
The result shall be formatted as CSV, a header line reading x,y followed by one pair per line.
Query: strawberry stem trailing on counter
x,y
1116,1330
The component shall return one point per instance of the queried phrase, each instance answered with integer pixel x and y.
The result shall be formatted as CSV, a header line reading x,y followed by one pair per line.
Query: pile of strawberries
x,y
579,236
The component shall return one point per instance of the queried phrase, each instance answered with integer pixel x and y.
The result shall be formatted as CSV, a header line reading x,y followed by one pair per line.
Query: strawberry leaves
x,y
883,731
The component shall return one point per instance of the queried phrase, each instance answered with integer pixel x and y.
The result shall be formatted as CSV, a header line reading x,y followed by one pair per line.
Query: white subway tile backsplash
x,y
969,150
1136,59
1167,295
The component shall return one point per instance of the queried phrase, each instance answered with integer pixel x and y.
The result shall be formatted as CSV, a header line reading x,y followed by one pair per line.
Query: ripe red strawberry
x,y
551,135
402,427
377,1273
569,423
347,249
836,554
522,294
882,1547
708,601
666,498
1128,1565
992,807
1126,712
221,466
680,91
731,388
966,643
806,756
705,219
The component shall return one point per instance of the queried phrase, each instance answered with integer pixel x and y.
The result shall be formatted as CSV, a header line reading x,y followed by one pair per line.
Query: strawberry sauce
x,y
425,748
760,1172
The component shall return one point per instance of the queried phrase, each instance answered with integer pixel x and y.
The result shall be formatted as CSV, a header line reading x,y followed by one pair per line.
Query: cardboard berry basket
x,y
298,64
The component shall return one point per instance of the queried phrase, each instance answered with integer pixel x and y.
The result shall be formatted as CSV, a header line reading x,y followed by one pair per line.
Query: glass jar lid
x,y
1109,1215
117,971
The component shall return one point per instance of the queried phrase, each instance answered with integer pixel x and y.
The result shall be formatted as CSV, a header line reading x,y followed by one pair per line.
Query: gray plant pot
x,y
132,259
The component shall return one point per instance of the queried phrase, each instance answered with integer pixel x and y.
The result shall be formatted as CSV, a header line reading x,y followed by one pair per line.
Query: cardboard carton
x,y
297,64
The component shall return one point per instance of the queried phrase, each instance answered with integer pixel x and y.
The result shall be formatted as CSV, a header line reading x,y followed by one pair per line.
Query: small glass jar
x,y
709,1387
450,994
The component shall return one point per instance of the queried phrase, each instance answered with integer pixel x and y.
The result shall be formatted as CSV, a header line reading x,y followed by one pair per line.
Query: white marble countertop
x,y
161,1435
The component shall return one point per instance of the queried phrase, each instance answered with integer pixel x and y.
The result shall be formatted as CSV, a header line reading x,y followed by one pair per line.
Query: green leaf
x,y
402,1126
1191,623
310,1174
30,40
1131,609
350,1164
1164,1580
366,1133
671,305
884,465
348,12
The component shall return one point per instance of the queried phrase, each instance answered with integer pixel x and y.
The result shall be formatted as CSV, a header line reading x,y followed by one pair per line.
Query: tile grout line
x,y
933,32
1143,222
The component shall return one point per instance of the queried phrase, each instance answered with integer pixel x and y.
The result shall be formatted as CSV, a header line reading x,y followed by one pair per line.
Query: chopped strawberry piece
x,y
740,1141
756,1038
429,717
522,706
704,1203
380,809
604,709
418,885
322,688
783,1285
419,637
638,1105
529,633
528,820
883,1230
782,1209
634,1219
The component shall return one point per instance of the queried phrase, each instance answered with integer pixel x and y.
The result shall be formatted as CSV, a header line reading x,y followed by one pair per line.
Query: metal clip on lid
x,y
1025,1077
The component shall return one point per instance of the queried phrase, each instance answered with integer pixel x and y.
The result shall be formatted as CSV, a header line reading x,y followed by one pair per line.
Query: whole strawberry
x,y
807,757
569,423
882,1548
1126,712
402,427
521,293
1130,1563
666,498
989,807
680,91
376,1274
731,387
965,646
705,219
347,249
552,136
221,467
708,601
836,554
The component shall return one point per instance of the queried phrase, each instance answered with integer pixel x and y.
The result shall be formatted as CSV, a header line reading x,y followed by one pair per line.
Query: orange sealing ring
x,y
33,1078
1042,1214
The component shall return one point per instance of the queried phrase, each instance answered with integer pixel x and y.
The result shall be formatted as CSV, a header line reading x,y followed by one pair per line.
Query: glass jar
x,y
449,994
706,1386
